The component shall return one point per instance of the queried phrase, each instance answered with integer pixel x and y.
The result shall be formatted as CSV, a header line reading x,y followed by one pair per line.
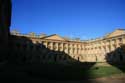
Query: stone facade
x,y
108,48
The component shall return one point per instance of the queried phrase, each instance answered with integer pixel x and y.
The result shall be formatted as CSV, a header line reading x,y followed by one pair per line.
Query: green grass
x,y
66,72
103,71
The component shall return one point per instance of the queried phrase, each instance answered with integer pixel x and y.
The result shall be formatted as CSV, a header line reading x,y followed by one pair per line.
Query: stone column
x,y
85,50
50,45
93,50
104,48
112,45
109,46
45,43
57,47
66,48
102,53
97,49
108,49
79,50
61,47
117,43
82,49
97,53
54,46
75,49
70,49
123,38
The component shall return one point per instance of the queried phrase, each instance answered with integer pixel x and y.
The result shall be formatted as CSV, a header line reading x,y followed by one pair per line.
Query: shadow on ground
x,y
36,61
27,61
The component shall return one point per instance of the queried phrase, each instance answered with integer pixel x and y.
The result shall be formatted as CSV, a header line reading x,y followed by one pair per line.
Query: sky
x,y
85,19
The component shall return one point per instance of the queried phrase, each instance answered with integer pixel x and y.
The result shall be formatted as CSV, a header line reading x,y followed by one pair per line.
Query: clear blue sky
x,y
74,18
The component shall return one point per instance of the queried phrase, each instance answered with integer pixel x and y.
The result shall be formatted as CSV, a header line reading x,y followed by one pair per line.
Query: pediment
x,y
116,33
54,37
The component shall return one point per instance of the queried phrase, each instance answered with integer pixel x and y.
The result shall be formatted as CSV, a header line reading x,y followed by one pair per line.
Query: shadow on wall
x,y
38,61
117,57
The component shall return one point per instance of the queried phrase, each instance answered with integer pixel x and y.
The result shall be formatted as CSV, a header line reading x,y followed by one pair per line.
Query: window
x,y
120,39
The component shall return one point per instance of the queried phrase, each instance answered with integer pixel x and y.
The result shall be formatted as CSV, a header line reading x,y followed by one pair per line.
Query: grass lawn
x,y
103,71
63,72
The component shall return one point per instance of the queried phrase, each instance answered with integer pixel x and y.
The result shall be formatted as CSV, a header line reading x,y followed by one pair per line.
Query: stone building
x,y
108,48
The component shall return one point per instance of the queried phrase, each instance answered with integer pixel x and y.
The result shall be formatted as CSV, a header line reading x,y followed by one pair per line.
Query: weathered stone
x,y
109,48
